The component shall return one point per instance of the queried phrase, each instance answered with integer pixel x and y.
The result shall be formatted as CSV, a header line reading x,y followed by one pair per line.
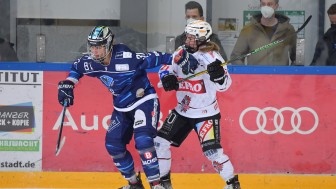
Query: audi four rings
x,y
261,120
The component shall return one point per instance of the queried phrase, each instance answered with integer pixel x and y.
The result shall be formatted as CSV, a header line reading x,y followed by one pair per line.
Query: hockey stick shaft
x,y
59,141
267,46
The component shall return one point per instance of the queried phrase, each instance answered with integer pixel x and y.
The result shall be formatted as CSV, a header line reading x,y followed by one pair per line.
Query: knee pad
x,y
122,158
162,147
115,148
220,162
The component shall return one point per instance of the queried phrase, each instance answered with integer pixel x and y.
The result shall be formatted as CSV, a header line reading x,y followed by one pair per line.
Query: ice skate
x,y
137,185
233,183
166,182
159,186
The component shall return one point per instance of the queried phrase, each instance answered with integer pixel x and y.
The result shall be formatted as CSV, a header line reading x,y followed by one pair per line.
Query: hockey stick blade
x,y
60,142
267,46
58,149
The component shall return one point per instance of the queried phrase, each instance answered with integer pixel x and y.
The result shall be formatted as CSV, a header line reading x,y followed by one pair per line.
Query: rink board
x,y
298,134
277,125
180,181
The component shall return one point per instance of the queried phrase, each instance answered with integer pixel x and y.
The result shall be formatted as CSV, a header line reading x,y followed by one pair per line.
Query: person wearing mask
x,y
325,51
194,11
266,28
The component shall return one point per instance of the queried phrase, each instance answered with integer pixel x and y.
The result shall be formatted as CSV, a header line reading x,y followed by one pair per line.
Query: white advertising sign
x,y
21,97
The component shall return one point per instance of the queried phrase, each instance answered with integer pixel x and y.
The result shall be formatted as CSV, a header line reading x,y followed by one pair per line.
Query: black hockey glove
x,y
186,61
216,72
169,82
65,92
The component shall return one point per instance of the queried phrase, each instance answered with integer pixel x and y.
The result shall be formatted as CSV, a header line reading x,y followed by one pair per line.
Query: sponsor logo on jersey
x,y
148,158
139,119
107,80
149,161
195,86
122,67
127,55
185,103
148,155
138,123
218,166
140,55
114,124
140,92
121,55
204,130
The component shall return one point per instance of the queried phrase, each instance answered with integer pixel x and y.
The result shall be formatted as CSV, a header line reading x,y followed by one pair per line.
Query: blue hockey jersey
x,y
125,76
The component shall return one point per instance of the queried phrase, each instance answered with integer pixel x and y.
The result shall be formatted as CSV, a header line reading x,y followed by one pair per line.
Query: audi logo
x,y
278,120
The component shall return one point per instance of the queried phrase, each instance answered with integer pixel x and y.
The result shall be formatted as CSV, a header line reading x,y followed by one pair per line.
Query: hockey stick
x,y
60,142
267,46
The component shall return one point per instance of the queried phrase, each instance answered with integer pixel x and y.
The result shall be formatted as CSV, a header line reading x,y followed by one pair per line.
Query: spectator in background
x,y
266,28
7,53
325,51
194,11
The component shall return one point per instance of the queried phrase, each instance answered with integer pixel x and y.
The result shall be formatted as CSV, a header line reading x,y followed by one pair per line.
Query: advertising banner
x,y
269,124
21,100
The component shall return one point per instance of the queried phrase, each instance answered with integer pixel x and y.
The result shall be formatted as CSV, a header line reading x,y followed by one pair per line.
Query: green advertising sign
x,y
19,145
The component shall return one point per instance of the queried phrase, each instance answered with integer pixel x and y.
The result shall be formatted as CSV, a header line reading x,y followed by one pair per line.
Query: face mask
x,y
267,11
190,20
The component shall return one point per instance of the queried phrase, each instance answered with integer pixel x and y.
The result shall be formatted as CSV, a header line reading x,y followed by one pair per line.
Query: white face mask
x,y
267,11
190,20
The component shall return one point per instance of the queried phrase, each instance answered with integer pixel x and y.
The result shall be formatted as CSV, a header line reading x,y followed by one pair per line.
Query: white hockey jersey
x,y
197,97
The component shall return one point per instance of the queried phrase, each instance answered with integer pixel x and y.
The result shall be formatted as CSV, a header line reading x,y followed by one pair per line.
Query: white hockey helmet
x,y
200,29
100,36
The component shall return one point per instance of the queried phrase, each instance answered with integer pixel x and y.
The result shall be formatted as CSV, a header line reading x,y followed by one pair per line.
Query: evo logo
x,y
20,78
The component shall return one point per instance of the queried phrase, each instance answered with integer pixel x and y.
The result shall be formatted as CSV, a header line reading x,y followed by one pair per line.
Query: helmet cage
x,y
100,36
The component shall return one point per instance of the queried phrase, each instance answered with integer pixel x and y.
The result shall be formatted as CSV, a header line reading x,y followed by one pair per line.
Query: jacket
x,y
325,51
253,36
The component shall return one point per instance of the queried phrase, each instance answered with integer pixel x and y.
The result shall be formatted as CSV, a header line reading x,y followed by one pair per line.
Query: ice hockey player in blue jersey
x,y
136,105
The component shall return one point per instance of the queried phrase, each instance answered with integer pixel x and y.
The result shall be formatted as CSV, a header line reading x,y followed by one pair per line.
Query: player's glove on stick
x,y
186,61
169,82
65,92
216,72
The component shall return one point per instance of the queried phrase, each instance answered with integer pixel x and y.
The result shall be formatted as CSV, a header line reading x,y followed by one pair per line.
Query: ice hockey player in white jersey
x,y
197,106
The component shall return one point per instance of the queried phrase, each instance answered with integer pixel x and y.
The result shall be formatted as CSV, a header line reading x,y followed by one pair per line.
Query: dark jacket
x,y
7,52
325,51
179,41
